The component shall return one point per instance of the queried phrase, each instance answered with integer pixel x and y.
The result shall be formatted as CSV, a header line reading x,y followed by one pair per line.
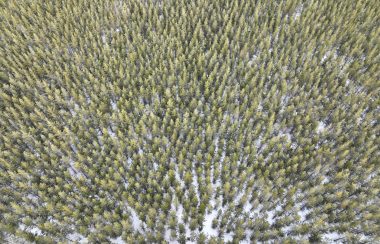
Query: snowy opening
x,y
321,127
298,12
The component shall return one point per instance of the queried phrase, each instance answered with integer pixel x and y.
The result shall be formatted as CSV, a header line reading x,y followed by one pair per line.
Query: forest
x,y
189,121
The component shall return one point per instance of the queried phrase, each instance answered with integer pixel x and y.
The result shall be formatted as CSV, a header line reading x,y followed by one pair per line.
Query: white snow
x,y
180,213
74,172
129,161
32,197
258,142
167,235
117,240
325,180
195,182
104,40
321,127
247,207
33,230
188,234
254,58
246,241
114,105
228,237
136,222
77,238
255,212
298,12
294,145
178,177
271,213
270,217
303,213
207,224
111,133
333,237
74,148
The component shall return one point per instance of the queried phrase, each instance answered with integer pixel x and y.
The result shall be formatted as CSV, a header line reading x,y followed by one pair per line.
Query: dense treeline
x,y
175,121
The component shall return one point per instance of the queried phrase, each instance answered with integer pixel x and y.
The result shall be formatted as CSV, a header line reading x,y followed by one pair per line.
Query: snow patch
x,y
270,217
321,127
333,237
294,145
111,133
118,240
104,40
73,171
228,237
180,213
34,230
77,238
325,180
298,12
303,214
129,161
136,222
207,224
114,105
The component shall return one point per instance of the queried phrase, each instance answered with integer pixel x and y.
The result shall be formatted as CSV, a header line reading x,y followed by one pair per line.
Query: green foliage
x,y
204,121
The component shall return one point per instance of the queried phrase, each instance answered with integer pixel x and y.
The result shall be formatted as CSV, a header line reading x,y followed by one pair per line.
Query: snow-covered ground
x,y
207,224
321,127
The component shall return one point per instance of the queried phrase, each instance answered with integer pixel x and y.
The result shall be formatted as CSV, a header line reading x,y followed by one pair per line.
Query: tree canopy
x,y
208,121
